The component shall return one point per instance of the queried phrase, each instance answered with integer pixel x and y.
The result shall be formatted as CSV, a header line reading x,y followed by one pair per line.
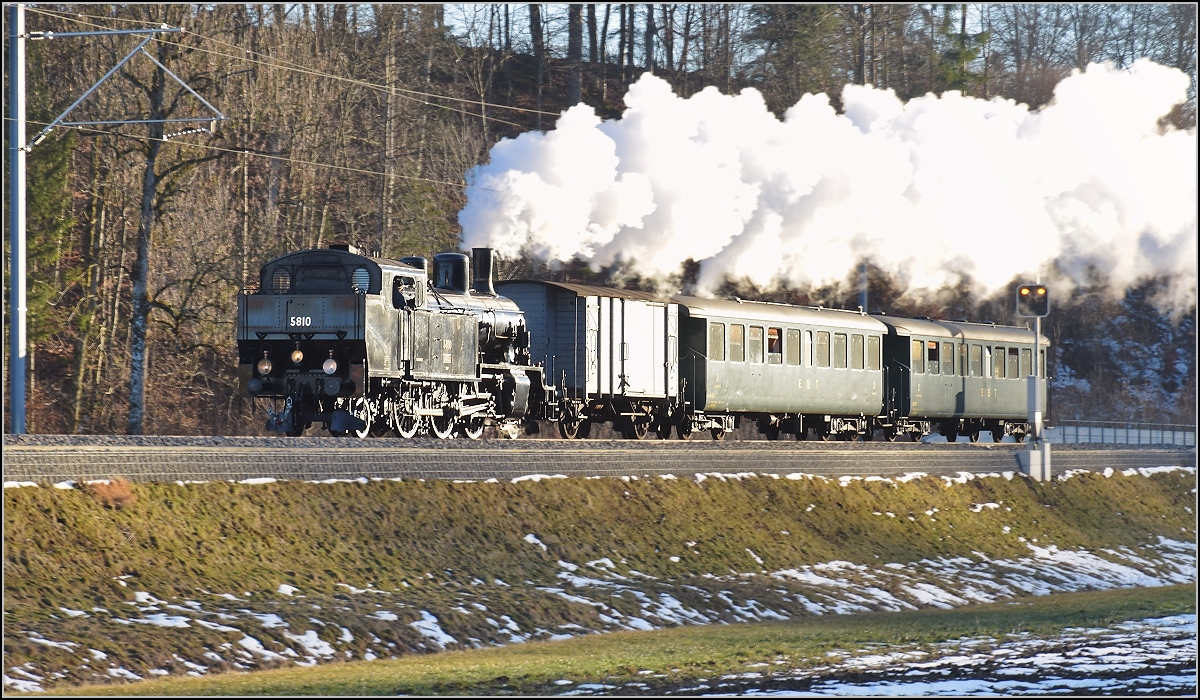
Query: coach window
x,y
976,360
987,361
807,358
948,359
998,362
932,355
1042,363
716,341
1013,366
873,353
857,361
839,351
737,342
918,356
1026,362
775,346
793,346
962,359
756,344
822,348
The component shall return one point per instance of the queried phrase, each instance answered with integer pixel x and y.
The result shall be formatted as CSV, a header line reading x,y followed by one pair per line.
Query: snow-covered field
x,y
1147,657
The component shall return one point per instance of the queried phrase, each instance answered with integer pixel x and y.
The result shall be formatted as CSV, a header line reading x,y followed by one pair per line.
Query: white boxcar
x,y
613,353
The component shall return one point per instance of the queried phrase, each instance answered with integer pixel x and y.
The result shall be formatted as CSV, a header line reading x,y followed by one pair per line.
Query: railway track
x,y
52,459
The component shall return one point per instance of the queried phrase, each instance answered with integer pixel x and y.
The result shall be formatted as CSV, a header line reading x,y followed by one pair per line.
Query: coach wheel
x,y
297,429
890,434
442,426
771,431
718,433
684,430
662,429
471,428
1019,435
825,435
997,431
973,436
951,435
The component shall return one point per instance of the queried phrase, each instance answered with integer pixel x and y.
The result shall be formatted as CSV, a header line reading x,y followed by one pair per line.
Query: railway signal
x,y
1033,300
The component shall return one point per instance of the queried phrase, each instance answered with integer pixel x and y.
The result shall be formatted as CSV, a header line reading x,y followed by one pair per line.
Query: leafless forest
x,y
357,123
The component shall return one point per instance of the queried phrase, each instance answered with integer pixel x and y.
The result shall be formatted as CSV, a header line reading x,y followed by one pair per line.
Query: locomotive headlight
x,y
264,365
297,356
330,366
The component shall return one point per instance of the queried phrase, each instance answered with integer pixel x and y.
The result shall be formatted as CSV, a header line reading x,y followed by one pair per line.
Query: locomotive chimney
x,y
482,260
452,271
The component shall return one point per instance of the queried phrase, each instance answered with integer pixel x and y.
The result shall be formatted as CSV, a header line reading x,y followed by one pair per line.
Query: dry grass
x,y
115,493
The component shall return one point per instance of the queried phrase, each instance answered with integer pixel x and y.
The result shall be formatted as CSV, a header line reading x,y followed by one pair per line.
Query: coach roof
x,y
782,313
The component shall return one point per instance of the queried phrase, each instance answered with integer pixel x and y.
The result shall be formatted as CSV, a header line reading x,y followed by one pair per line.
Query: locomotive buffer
x,y
1033,301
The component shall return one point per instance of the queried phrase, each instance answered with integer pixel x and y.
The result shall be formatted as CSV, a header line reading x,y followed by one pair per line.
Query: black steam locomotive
x,y
362,344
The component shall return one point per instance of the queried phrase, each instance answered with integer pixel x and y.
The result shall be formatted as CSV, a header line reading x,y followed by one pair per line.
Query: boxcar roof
x,y
587,290
783,313
959,329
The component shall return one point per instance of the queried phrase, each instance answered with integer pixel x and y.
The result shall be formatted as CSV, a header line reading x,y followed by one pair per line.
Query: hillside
x,y
114,582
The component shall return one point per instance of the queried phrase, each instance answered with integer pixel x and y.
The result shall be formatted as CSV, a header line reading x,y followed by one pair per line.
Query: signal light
x,y
1033,300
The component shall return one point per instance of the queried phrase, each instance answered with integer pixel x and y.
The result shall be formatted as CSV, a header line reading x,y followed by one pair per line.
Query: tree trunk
x,y
621,43
591,21
604,56
648,38
631,27
539,51
574,53
140,321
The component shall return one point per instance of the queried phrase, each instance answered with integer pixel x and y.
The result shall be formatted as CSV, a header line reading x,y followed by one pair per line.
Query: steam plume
x,y
930,190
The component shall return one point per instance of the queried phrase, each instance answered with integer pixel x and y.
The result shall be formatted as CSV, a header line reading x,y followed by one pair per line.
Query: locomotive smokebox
x,y
483,260
451,271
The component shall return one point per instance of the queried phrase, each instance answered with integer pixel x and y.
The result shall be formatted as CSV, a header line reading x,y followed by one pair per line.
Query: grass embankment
x,y
671,657
457,549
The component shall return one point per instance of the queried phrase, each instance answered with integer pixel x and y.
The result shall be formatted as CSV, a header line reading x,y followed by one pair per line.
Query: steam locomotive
x,y
362,345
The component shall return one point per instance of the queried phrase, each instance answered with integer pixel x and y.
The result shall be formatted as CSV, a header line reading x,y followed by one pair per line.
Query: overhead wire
x,y
268,156
416,95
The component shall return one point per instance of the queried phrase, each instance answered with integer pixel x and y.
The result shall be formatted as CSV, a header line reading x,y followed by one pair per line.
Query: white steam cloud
x,y
930,190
